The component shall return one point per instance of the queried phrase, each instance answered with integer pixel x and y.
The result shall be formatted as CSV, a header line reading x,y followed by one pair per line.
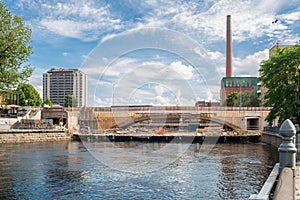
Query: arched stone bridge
x,y
240,119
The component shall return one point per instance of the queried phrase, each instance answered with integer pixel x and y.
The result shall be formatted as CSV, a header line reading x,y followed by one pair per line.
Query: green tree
x,y
280,74
243,99
70,101
28,95
232,99
14,50
48,102
248,99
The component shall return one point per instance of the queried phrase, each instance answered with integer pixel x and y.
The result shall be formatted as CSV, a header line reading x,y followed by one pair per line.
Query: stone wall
x,y
23,136
271,138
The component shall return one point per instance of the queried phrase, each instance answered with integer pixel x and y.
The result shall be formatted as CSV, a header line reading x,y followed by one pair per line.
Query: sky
x,y
154,52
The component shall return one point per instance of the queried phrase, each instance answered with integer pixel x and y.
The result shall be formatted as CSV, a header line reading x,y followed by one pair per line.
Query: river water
x,y
69,170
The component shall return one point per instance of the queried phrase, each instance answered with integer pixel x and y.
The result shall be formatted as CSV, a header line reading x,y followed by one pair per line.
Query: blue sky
x,y
154,52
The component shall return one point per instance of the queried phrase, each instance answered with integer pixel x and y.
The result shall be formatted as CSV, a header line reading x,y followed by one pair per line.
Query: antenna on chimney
x,y
228,48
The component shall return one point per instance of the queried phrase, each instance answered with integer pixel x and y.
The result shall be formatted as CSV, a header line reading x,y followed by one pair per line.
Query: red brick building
x,y
237,84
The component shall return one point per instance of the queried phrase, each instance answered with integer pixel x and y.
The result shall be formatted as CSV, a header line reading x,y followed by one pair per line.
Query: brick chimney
x,y
228,48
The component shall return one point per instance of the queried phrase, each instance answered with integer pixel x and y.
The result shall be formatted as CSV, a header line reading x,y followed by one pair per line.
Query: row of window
x,y
238,84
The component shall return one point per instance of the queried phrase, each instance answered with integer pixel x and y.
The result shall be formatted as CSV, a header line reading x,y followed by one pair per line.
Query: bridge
x,y
241,120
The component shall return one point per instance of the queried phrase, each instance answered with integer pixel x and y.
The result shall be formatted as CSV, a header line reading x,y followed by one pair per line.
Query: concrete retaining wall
x,y
23,136
273,139
284,188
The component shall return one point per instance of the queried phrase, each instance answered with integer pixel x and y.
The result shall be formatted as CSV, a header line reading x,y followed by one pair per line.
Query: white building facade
x,y
58,83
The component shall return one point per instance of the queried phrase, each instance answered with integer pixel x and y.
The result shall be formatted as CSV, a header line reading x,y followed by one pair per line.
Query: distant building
x,y
207,104
9,99
275,47
237,84
261,92
58,83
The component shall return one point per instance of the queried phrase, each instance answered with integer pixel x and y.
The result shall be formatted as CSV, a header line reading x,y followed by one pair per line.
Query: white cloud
x,y
292,17
159,100
108,37
100,102
65,54
82,20
204,22
36,80
181,70
249,66
216,55
159,90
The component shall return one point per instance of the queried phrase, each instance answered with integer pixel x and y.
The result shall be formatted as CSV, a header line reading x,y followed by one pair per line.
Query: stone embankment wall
x,y
23,136
271,138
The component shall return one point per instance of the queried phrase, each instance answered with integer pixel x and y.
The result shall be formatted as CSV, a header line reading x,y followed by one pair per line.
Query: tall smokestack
x,y
228,48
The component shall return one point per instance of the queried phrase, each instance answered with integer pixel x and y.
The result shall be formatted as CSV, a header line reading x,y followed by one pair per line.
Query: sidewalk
x,y
298,180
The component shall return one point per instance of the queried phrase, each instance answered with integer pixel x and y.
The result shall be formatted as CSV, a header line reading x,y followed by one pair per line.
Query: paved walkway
x,y
298,180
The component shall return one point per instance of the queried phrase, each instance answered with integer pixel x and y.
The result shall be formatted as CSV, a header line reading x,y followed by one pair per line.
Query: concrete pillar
x,y
297,142
287,149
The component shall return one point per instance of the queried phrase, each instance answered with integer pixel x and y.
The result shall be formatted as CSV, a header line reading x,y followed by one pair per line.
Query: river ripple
x,y
67,170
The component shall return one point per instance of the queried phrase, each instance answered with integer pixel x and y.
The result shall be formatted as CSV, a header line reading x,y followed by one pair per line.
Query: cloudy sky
x,y
154,52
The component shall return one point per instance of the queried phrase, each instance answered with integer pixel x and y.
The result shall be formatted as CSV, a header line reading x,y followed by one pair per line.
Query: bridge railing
x,y
175,108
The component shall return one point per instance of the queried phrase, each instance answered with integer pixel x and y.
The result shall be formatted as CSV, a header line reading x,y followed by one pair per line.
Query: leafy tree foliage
x,y
248,99
14,50
243,99
232,99
280,74
28,95
70,101
48,102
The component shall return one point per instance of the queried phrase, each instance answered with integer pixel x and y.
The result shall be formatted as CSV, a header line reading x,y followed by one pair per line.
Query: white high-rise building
x,y
58,83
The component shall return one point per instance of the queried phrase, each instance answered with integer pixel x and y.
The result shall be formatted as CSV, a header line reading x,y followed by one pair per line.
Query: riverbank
x,y
33,135
168,137
51,135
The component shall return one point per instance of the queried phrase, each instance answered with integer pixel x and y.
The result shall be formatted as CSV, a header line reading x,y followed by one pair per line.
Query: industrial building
x,y
237,84
231,84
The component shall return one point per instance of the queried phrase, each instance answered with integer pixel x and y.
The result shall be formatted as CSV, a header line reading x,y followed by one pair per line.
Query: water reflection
x,y
30,170
66,170
238,164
